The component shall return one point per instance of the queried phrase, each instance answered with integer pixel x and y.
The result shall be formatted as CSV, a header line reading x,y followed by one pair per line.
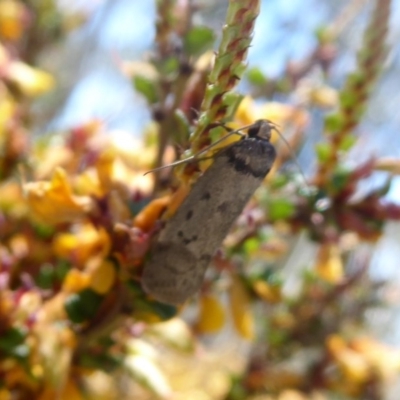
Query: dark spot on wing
x,y
206,196
223,207
189,215
190,240
251,156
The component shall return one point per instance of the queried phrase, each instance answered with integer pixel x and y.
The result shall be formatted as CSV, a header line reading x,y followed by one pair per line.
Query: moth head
x,y
261,129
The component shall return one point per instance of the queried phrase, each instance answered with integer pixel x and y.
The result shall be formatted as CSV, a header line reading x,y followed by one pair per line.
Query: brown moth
x,y
187,243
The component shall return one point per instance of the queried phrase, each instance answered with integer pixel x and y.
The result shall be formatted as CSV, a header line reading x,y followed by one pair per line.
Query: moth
x,y
187,243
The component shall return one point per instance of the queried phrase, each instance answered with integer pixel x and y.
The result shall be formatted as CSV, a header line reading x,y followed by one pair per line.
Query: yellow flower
x,y
114,173
84,243
53,202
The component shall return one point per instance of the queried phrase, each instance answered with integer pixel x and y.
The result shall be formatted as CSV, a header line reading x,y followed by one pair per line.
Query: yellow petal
x,y
88,183
48,158
329,263
53,202
7,110
12,17
5,394
31,81
353,365
11,199
75,281
245,112
211,316
102,277
147,217
105,169
177,200
270,293
241,309
384,360
71,391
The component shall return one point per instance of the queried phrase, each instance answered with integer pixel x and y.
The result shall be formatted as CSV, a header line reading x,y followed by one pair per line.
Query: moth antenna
x,y
293,155
174,164
194,157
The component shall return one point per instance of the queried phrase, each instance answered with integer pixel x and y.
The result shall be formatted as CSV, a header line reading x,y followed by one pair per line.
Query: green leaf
x,y
198,40
43,231
217,133
46,276
279,181
135,288
164,311
333,122
12,338
322,151
146,87
251,245
61,269
169,66
256,77
347,142
280,209
340,179
102,361
348,98
72,307
232,100
270,276
181,130
83,305
355,79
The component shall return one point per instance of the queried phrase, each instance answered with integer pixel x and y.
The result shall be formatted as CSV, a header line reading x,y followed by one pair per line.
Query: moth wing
x,y
173,274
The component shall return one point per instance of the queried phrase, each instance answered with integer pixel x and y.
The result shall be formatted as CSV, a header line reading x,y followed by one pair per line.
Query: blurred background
x,y
90,49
